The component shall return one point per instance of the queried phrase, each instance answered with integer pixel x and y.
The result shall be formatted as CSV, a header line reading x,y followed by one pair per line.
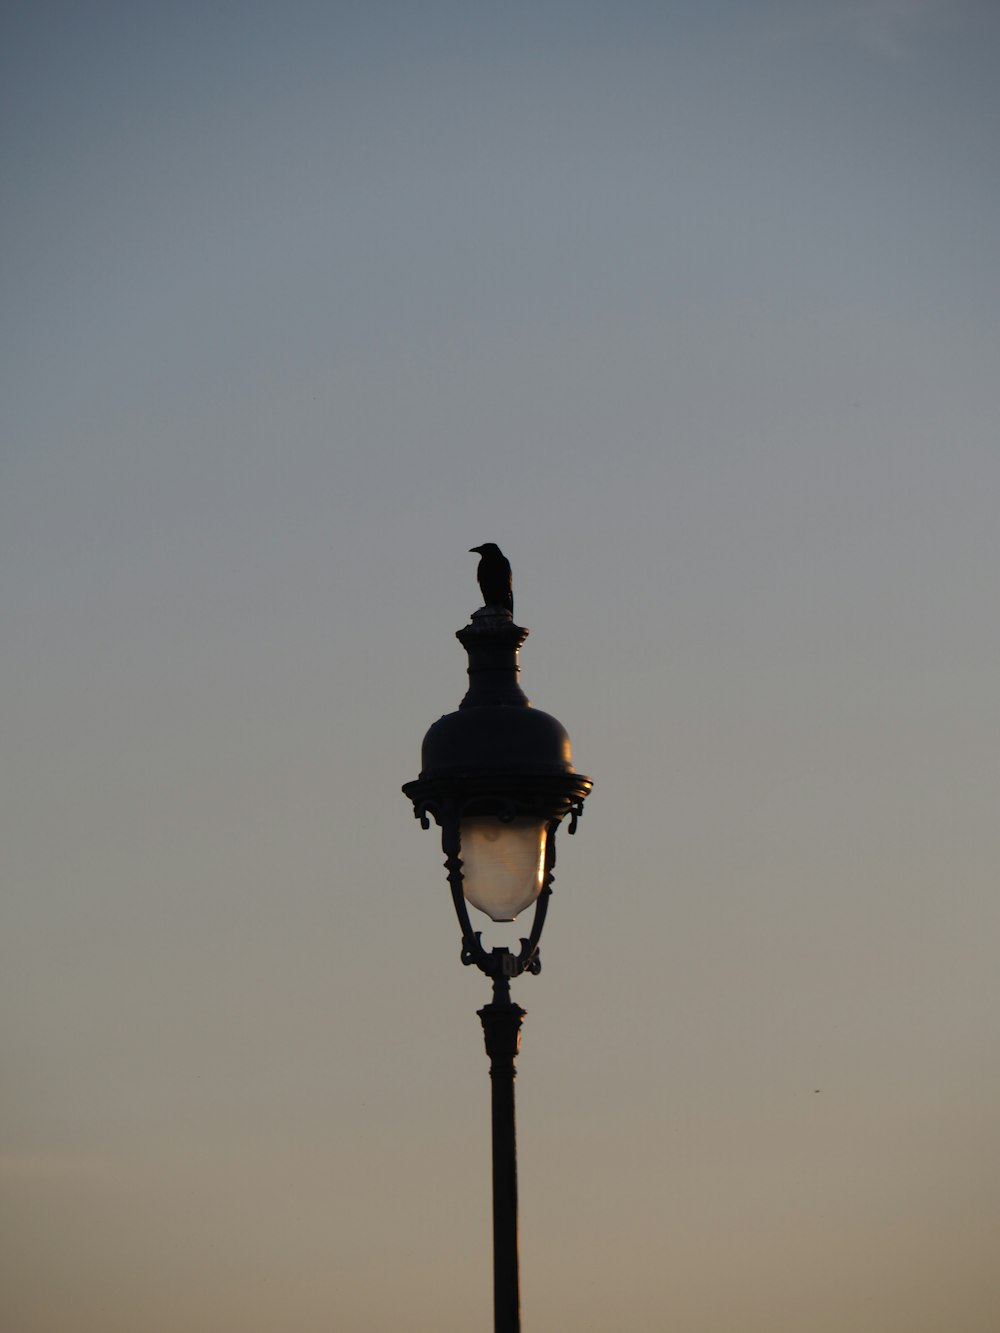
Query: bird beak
x,y
477,549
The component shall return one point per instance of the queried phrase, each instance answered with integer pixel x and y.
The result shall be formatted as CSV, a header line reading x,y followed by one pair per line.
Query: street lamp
x,y
498,779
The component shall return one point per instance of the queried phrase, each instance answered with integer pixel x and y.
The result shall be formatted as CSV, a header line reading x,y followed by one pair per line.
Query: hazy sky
x,y
693,308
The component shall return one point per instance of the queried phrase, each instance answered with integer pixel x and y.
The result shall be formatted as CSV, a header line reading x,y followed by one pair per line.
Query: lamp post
x,y
498,779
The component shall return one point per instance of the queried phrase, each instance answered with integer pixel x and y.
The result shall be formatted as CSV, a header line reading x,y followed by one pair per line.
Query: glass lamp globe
x,y
503,863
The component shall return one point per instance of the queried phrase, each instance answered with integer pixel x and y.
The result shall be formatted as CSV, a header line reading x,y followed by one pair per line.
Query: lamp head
x,y
497,776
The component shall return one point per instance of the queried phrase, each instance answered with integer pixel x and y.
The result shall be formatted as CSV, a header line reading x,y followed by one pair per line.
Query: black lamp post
x,y
497,778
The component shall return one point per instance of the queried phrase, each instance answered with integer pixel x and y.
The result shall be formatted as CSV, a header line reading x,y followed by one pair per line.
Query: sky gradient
x,y
694,310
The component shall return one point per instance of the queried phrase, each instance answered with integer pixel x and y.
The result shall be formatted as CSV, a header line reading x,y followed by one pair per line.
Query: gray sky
x,y
694,310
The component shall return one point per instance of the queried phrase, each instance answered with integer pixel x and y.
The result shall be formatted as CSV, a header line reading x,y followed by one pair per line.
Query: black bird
x,y
494,576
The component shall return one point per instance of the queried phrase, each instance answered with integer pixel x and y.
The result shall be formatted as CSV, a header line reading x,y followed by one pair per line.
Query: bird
x,y
494,576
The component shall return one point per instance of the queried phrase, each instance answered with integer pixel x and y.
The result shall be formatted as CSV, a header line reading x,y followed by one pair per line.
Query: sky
x,y
695,310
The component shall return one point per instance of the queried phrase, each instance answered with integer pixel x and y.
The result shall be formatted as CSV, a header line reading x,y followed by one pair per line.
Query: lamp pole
x,y
501,1021
497,777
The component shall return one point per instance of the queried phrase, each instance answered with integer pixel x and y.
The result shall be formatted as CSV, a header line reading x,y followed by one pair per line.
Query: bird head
x,y
487,548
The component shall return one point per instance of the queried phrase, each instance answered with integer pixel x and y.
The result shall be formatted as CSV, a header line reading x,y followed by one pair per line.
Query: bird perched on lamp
x,y
494,576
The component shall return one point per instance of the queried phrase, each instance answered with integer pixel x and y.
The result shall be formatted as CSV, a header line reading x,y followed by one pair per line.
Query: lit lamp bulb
x,y
503,864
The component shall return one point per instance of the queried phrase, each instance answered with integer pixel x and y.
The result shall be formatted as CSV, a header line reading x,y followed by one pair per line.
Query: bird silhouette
x,y
494,576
